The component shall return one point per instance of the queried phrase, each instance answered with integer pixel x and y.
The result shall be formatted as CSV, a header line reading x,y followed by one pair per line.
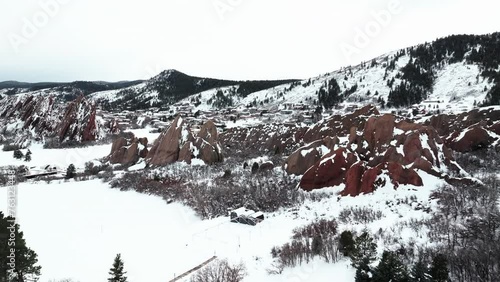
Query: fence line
x,y
194,269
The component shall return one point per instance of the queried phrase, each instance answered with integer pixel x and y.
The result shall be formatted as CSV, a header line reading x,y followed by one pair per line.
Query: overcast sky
x,y
112,40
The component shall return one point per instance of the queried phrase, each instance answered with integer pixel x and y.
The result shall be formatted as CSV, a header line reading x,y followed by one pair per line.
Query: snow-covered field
x,y
78,227
61,158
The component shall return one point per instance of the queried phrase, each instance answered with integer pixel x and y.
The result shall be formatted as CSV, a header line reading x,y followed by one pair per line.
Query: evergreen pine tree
x,y
255,167
439,268
116,272
18,154
420,272
70,171
390,268
364,247
363,271
331,95
346,243
25,265
27,157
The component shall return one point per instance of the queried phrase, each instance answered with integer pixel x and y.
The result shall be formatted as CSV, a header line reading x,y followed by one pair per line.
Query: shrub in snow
x,y
27,157
315,239
220,271
18,154
210,194
10,147
361,215
466,228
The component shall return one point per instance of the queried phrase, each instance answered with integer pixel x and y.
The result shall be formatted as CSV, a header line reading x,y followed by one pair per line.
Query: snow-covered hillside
x,y
458,87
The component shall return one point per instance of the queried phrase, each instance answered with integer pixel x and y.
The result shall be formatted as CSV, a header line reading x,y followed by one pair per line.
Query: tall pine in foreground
x,y
116,272
25,267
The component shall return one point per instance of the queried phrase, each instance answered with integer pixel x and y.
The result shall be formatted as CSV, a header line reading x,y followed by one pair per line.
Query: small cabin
x,y
246,216
34,172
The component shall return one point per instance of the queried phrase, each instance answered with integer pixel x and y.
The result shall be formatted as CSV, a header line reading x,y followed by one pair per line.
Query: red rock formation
x,y
208,132
305,157
283,138
166,148
90,133
473,138
369,182
78,122
401,175
127,152
448,124
412,148
397,150
379,130
495,128
476,125
354,180
329,171
186,153
177,143
75,121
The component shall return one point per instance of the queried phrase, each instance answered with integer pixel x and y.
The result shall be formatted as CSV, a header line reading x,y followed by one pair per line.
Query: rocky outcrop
x,y
385,151
266,166
305,157
35,112
469,131
39,114
379,130
473,138
166,148
128,152
79,121
446,124
478,136
264,138
286,138
178,143
329,171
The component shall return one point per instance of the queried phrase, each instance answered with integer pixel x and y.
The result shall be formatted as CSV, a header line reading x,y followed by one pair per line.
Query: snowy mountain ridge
x,y
451,73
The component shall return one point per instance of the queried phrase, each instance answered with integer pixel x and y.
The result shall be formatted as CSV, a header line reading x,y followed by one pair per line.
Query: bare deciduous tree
x,y
220,271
